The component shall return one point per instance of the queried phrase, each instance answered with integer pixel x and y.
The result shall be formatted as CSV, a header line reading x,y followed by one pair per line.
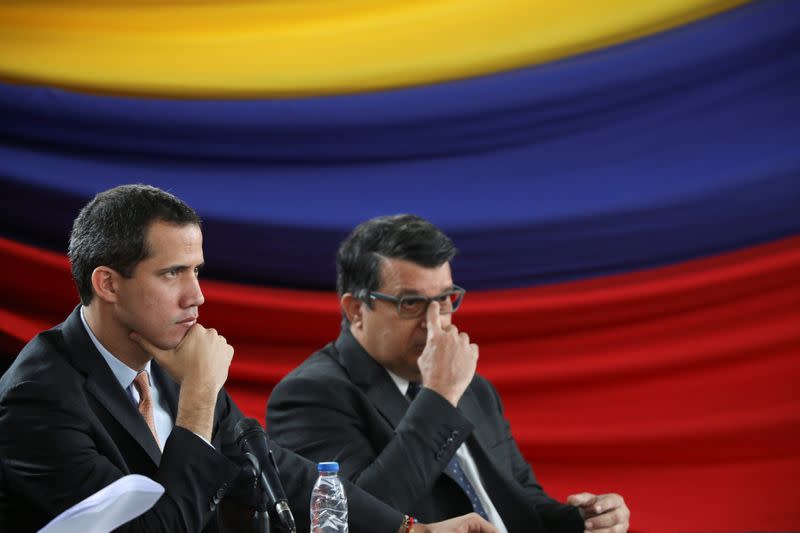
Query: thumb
x,y
582,499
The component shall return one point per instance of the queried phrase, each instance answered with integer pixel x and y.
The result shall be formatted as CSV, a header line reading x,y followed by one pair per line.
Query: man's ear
x,y
353,309
105,283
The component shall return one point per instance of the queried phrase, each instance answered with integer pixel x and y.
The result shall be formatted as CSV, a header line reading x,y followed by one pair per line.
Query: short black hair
x,y
111,230
408,237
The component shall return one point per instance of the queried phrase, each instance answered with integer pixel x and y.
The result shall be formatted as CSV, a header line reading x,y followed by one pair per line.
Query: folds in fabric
x,y
654,152
677,383
627,218
240,48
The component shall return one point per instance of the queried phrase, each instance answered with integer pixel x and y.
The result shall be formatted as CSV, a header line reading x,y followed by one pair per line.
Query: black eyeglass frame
x,y
398,301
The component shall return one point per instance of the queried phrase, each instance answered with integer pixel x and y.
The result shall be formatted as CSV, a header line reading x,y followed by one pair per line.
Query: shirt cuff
x,y
205,440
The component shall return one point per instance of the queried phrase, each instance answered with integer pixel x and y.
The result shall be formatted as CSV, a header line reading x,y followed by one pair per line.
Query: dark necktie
x,y
454,470
413,390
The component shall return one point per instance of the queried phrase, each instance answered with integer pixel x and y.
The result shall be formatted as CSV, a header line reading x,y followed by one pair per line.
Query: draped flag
x,y
622,180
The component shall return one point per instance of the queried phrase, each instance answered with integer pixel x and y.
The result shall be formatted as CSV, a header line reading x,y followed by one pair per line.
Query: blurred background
x,y
622,179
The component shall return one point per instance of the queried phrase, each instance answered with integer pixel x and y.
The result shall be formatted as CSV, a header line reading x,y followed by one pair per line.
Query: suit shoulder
x,y
319,365
481,384
44,361
320,375
485,392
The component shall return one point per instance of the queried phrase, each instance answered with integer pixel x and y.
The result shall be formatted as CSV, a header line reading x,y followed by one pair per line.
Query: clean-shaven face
x,y
160,300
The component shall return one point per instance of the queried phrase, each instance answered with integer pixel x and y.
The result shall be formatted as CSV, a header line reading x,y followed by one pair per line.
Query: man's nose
x,y
194,295
445,319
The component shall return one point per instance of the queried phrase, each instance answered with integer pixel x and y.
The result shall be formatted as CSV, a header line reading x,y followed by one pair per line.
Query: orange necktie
x,y
142,384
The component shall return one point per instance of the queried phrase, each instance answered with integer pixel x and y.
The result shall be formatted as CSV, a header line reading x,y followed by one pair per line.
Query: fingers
x,y
447,363
605,520
582,499
470,348
607,514
433,320
607,502
619,528
476,524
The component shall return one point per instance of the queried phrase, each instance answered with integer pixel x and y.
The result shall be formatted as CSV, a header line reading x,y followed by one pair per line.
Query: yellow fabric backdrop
x,y
195,48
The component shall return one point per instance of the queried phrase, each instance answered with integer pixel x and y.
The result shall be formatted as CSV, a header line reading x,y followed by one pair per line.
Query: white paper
x,y
108,508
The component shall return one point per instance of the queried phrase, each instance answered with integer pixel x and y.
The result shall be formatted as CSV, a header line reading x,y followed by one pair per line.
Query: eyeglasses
x,y
414,306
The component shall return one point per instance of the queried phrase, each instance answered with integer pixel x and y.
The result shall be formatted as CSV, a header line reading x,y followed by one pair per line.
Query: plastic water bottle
x,y
328,501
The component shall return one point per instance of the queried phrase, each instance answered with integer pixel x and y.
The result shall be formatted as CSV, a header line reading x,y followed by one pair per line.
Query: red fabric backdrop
x,y
675,386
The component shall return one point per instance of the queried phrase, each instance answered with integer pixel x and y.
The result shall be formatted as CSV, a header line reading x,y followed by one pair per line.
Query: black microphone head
x,y
247,428
252,440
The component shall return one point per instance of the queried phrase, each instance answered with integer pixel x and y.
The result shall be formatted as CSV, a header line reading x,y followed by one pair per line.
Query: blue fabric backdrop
x,y
667,148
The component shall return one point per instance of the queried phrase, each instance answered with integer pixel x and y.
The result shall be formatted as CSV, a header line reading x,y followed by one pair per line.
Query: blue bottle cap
x,y
331,466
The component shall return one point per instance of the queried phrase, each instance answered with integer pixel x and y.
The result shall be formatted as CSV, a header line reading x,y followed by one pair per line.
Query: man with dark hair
x,y
132,383
112,231
396,401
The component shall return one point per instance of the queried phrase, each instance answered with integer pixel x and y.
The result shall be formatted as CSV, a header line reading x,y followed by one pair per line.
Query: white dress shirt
x,y
468,466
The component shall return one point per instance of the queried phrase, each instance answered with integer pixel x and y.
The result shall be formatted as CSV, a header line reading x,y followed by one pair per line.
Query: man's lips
x,y
188,321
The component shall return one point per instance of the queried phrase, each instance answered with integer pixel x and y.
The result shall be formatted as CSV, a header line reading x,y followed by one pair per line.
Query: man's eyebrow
x,y
407,291
173,267
410,294
415,292
179,268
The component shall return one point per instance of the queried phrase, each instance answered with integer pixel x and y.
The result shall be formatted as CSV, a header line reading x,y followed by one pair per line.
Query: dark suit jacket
x,y
341,405
67,429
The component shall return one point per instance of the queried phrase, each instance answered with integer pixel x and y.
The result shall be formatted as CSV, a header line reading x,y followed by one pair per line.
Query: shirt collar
x,y
402,383
124,374
350,351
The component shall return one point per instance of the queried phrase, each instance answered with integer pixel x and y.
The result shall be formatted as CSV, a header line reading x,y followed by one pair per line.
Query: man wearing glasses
x,y
396,401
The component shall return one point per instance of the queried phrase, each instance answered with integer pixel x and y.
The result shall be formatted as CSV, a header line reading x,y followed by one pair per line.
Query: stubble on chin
x,y
171,342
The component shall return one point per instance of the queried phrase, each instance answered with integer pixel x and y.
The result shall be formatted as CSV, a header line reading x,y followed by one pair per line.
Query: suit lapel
x,y
469,405
101,383
481,437
368,375
506,495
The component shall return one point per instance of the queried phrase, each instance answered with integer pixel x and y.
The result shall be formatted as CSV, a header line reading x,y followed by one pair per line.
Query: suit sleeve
x,y
322,420
56,460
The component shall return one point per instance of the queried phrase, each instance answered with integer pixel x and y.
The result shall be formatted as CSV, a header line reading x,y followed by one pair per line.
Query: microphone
x,y
252,440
